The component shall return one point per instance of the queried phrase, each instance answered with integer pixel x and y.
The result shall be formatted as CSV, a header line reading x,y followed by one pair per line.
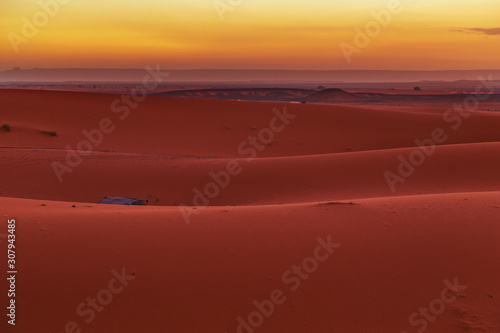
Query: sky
x,y
250,34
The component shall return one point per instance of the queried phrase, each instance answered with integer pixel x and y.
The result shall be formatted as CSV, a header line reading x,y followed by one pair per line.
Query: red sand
x,y
396,249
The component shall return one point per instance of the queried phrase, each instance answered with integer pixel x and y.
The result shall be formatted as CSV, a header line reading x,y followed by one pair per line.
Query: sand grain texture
x,y
321,176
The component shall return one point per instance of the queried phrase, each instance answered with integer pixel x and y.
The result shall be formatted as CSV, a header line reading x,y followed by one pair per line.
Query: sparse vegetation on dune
x,y
50,133
337,203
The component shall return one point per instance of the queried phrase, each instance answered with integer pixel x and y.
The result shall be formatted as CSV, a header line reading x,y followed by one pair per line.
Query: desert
x,y
263,166
246,240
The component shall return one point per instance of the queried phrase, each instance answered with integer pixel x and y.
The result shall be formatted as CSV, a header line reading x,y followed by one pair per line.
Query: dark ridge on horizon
x,y
326,95
226,75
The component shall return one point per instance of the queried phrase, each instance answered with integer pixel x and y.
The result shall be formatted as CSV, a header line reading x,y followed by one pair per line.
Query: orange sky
x,y
266,34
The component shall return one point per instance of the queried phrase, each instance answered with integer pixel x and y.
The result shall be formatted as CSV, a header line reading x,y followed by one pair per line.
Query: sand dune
x,y
393,259
171,181
162,125
430,243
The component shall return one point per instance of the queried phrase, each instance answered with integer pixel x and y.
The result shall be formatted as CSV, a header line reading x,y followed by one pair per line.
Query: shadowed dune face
x,y
315,218
171,181
395,256
166,149
182,127
180,141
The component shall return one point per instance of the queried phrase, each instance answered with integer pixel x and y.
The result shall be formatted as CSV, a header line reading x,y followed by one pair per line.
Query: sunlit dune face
x,y
292,34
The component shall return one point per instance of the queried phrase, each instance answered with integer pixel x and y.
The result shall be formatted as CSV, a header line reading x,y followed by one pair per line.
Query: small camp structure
x,y
123,201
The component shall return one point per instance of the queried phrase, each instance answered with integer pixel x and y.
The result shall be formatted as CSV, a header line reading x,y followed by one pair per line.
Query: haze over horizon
x,y
274,77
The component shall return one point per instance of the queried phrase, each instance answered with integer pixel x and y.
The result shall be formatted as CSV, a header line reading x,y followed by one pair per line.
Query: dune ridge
x,y
309,223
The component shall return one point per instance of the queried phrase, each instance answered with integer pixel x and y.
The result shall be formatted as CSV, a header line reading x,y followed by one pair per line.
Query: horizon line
x,y
243,69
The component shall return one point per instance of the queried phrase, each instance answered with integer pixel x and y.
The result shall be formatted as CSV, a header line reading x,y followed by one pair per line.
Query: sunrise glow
x,y
279,34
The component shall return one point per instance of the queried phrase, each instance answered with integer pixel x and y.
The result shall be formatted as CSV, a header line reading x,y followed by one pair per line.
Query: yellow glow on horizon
x,y
279,34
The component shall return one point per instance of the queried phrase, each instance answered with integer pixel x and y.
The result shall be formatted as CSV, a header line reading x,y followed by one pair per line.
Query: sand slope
x,y
393,257
170,181
322,175
163,125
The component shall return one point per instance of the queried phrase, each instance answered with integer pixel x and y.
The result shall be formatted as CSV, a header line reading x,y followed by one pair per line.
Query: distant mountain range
x,y
333,95
224,75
